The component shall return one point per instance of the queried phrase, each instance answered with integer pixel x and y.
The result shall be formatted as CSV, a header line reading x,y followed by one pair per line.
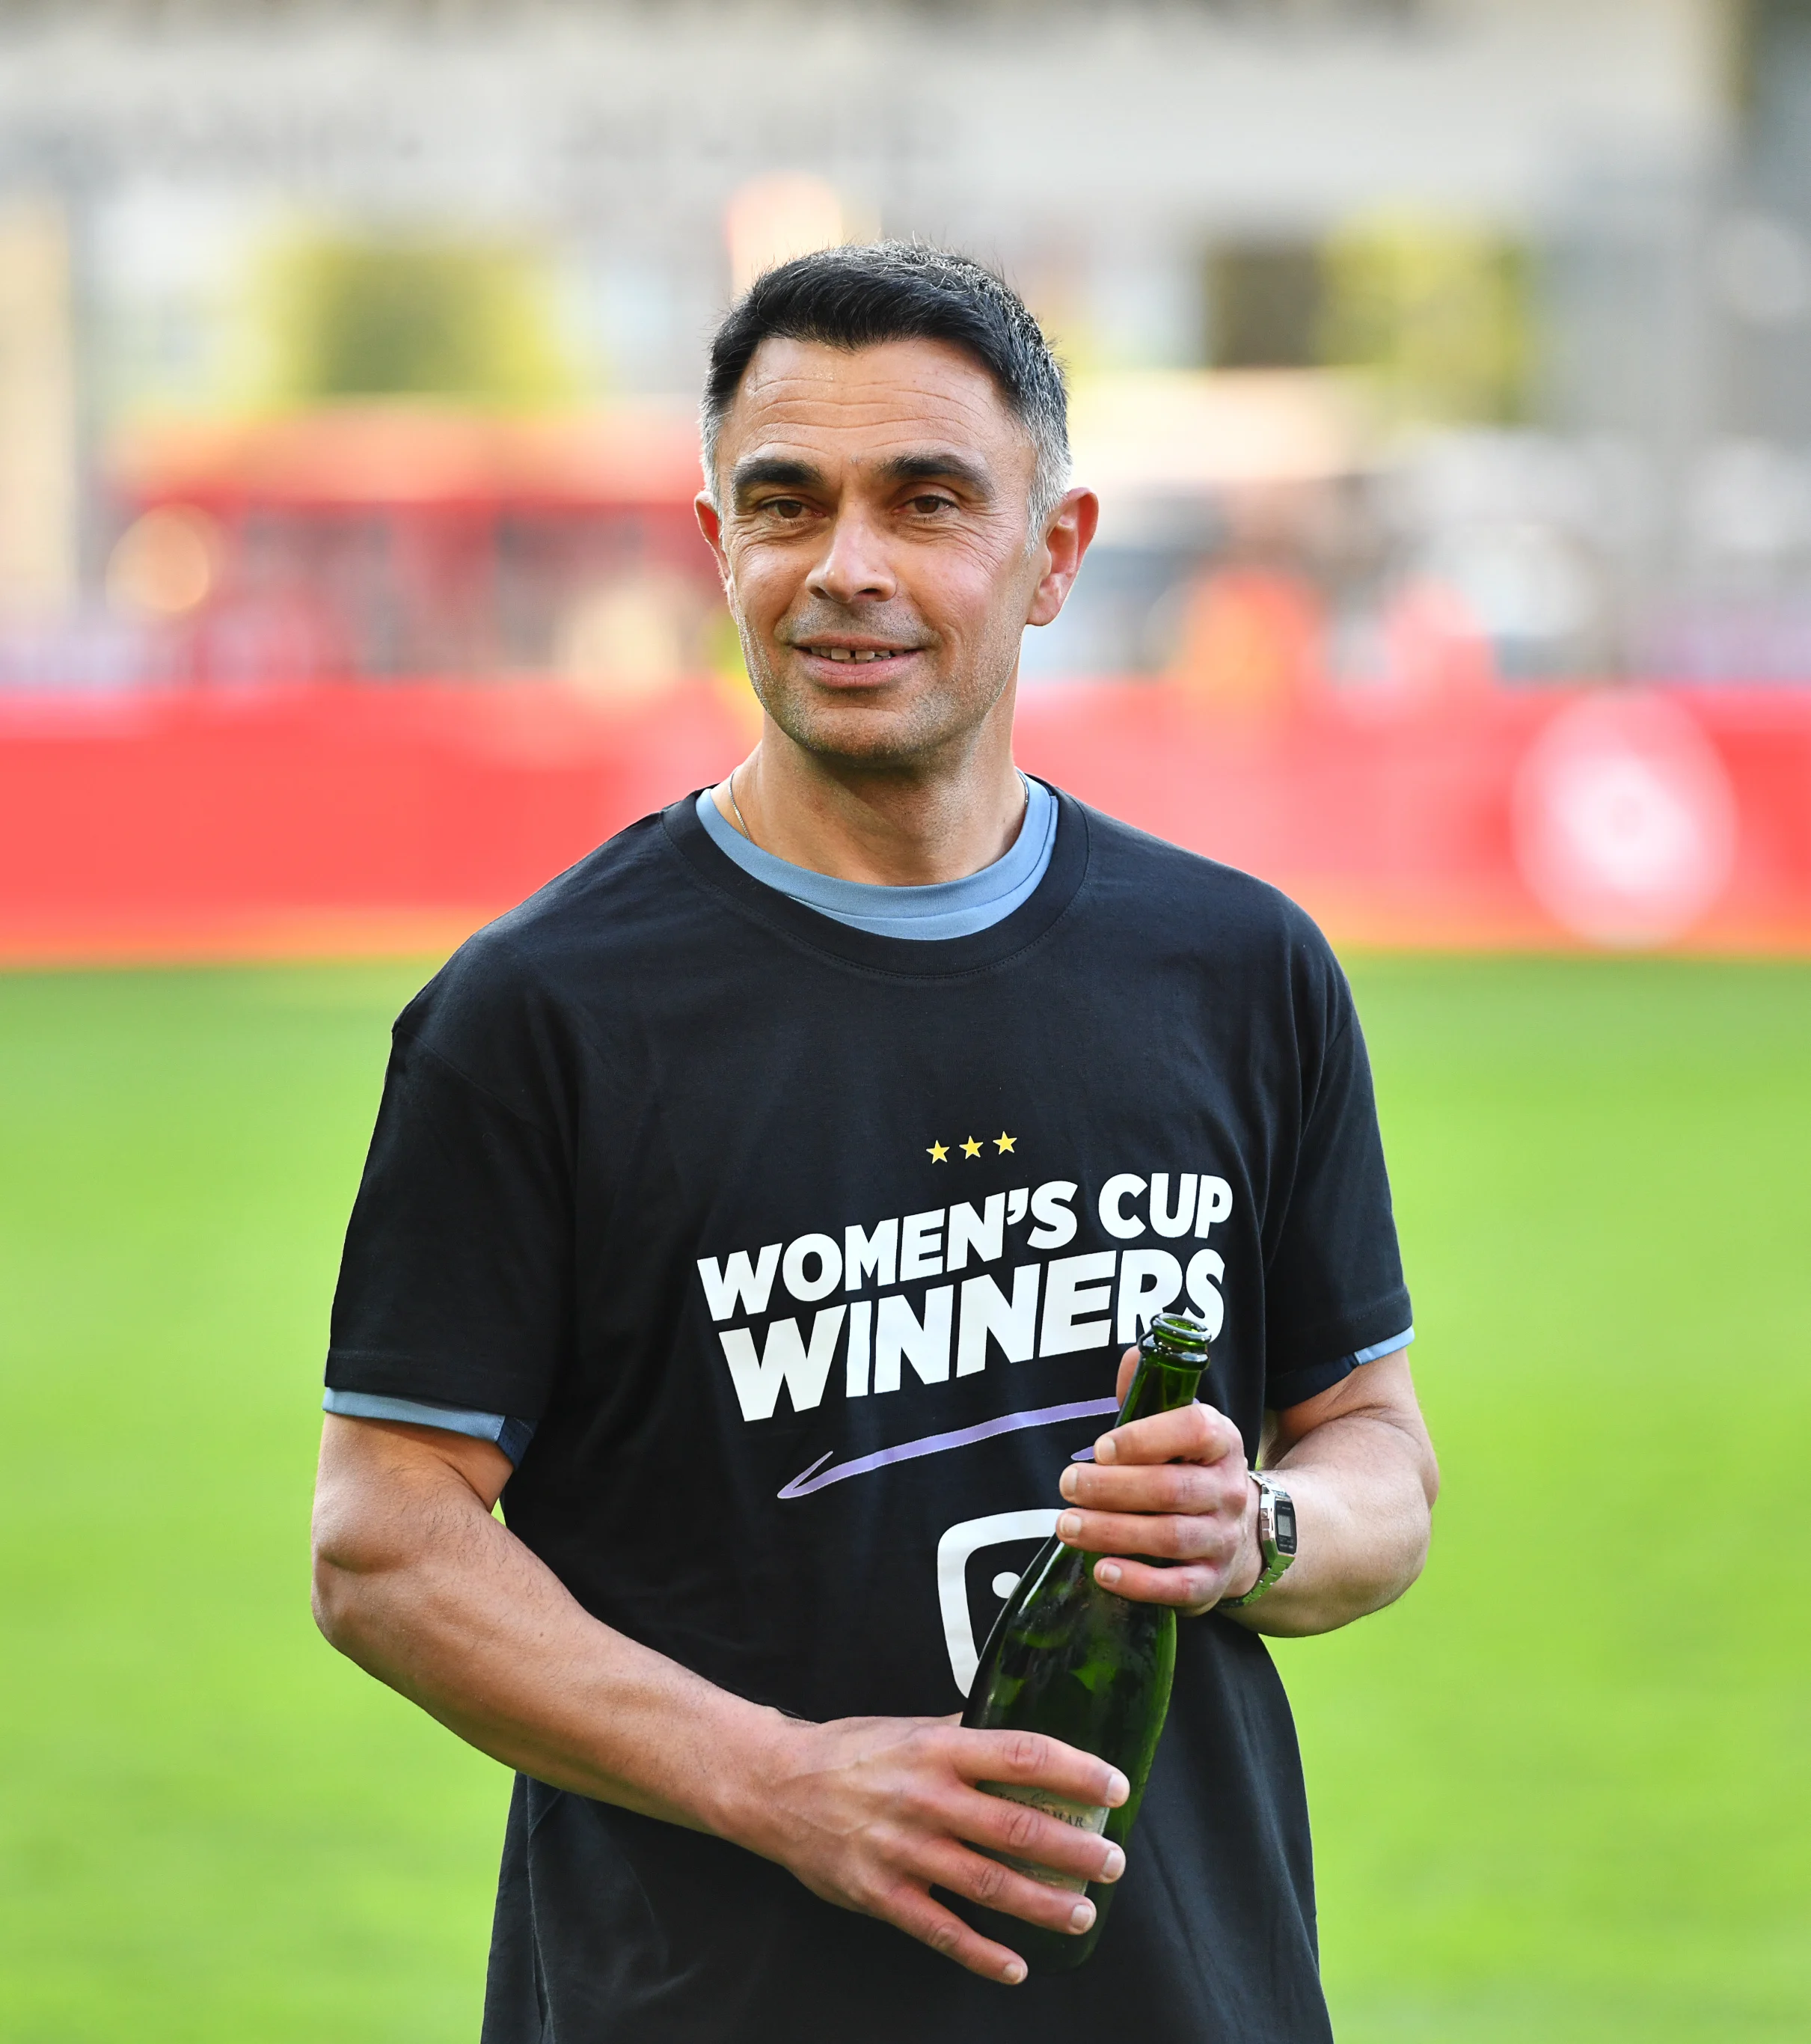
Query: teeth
x,y
856,653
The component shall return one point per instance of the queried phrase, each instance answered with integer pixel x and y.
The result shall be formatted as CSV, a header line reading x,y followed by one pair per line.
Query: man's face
x,y
873,540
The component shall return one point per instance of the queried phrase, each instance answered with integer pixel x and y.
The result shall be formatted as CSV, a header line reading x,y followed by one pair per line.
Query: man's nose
x,y
854,567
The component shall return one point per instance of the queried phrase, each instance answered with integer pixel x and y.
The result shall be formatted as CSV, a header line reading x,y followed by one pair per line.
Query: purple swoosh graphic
x,y
816,1477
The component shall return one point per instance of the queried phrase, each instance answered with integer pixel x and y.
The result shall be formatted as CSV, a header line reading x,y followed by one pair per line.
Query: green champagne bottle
x,y
1069,1659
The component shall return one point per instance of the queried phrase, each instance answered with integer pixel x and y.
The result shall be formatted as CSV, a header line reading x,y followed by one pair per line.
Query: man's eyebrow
x,y
765,469
932,465
939,465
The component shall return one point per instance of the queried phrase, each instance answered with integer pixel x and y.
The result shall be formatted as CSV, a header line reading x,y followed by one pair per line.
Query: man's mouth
x,y
859,655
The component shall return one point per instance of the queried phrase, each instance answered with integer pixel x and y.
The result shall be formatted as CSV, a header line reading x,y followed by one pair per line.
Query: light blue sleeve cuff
x,y
513,1436
1379,1349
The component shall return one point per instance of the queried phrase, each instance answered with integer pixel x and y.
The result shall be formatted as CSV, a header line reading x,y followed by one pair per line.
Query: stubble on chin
x,y
872,735
912,730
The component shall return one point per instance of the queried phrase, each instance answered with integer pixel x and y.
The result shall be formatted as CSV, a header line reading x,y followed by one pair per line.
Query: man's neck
x,y
889,826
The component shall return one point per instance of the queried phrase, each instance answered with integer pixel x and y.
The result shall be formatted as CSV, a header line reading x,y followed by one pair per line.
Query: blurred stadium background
x,y
1445,368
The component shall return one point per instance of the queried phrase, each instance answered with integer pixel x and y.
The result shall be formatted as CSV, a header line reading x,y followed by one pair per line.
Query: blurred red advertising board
x,y
335,819
1542,819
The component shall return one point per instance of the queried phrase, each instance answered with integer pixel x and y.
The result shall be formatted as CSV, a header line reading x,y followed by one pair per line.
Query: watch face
x,y
1285,1510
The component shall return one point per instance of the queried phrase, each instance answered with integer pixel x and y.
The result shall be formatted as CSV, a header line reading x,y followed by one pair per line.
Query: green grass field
x,y
1561,1793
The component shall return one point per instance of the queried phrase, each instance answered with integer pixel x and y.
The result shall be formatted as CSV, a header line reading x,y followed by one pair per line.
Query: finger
x,y
1024,1833
1192,1587
910,1909
1028,1759
1192,1433
1009,1892
1211,1488
1167,1537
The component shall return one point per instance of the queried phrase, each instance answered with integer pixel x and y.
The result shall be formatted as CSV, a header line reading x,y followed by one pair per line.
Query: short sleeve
x,y
1333,1279
455,1283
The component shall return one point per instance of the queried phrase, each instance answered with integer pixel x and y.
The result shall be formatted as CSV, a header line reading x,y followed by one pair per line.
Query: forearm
x,y
469,1624
416,1581
1362,1486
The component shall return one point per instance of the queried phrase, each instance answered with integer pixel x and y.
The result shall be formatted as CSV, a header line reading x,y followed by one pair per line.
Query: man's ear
x,y
711,524
1067,538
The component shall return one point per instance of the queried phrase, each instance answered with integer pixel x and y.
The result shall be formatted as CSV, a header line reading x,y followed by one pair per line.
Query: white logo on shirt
x,y
954,1552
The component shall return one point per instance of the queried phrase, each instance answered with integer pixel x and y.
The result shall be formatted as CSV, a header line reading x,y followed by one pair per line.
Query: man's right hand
x,y
871,1813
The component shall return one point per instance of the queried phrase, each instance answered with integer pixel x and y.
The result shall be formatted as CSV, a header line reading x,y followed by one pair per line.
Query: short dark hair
x,y
861,295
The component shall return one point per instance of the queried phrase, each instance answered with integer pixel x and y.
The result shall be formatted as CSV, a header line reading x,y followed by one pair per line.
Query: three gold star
x,y
938,1152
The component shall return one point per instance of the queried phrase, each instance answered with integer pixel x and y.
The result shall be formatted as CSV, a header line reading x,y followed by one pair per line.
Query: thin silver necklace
x,y
741,819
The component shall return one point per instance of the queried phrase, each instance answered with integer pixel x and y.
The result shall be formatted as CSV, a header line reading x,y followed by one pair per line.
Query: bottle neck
x,y
1160,1384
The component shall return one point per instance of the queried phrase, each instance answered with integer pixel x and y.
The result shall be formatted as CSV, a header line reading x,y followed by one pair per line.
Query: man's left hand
x,y
1174,1487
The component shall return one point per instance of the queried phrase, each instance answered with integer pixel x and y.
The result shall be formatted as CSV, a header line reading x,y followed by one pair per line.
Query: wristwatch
x,y
1276,1538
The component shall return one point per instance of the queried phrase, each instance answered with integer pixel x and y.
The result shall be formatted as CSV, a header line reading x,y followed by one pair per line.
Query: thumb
x,y
1128,1364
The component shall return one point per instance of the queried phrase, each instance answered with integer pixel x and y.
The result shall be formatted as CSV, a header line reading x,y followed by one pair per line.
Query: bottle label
x,y
1084,1816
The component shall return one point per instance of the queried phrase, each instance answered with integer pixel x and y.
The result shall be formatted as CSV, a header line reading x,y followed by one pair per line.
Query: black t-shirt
x,y
809,1255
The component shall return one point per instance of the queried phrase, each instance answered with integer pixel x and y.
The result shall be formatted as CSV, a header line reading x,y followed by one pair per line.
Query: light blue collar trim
x,y
946,908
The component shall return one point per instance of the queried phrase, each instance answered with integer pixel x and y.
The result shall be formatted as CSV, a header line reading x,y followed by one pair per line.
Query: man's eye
x,y
931,507
784,507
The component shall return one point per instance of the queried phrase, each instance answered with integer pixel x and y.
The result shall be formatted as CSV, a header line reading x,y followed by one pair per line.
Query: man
x,y
765,1203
